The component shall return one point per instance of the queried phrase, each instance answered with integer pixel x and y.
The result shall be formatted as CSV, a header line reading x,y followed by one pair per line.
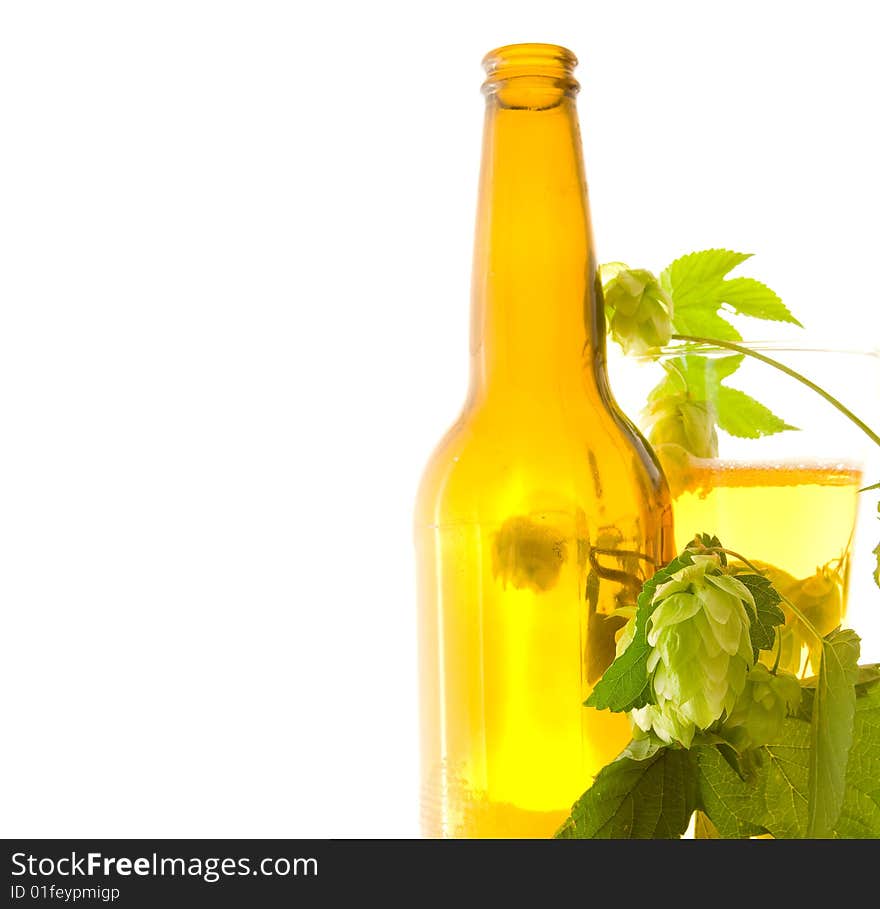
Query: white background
x,y
234,273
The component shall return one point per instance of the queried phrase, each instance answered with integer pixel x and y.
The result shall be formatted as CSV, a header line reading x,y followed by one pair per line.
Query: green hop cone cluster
x,y
700,654
766,700
678,420
638,310
819,598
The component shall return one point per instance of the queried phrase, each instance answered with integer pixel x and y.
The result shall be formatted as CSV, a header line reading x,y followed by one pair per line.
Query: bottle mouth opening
x,y
543,63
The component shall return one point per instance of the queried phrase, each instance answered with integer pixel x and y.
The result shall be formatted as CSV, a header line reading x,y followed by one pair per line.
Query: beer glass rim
x,y
803,346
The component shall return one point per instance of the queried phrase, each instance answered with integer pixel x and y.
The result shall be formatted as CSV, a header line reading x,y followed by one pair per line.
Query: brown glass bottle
x,y
542,510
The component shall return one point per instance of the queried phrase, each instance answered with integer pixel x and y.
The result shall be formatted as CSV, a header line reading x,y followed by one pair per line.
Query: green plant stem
x,y
778,651
730,345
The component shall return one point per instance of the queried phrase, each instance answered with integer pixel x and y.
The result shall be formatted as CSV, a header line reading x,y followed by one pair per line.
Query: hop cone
x,y
765,702
700,652
639,311
677,420
820,598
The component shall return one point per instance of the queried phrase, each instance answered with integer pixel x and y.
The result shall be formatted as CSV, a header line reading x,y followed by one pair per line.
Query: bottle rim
x,y
536,61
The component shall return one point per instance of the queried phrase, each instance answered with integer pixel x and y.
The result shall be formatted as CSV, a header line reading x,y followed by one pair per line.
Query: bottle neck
x,y
537,326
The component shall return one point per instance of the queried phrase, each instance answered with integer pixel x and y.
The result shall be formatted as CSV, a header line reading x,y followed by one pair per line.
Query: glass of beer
x,y
788,501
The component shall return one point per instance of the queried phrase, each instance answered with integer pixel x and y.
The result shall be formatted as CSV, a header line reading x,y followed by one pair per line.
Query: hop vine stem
x,y
738,348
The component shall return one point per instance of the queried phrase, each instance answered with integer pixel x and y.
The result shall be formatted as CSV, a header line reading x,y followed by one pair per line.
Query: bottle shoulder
x,y
494,458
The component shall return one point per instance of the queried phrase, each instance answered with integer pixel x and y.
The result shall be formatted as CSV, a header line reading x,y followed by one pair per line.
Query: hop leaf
x,y
638,310
699,286
768,614
877,554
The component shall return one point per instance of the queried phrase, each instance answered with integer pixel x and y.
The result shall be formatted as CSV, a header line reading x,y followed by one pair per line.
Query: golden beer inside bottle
x,y
541,512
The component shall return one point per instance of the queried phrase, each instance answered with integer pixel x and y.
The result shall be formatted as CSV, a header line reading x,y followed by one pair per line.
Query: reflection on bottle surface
x,y
541,512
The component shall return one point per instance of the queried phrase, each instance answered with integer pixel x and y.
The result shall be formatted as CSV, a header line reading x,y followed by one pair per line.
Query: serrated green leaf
x,y
698,287
672,384
704,829
703,541
717,368
734,805
742,416
648,799
869,673
774,793
686,278
770,797
876,550
860,813
784,778
699,376
767,616
624,684
703,323
831,729
752,298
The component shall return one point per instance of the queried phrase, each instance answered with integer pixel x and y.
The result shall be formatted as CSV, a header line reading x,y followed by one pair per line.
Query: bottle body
x,y
528,545
542,511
